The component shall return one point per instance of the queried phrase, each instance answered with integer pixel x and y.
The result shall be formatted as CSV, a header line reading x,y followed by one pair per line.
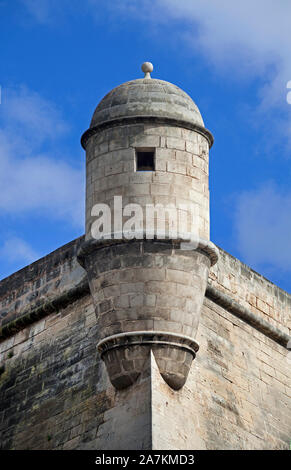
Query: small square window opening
x,y
145,159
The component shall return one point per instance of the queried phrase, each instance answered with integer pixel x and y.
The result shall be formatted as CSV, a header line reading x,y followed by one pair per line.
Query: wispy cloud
x,y
32,179
252,35
39,9
245,39
240,40
25,111
263,227
16,250
47,11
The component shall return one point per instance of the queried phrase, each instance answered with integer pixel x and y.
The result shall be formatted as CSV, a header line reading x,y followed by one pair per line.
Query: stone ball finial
x,y
147,68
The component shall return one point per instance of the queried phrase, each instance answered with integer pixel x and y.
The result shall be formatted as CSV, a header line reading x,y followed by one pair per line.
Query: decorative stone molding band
x,y
146,120
35,313
223,300
142,338
204,246
209,249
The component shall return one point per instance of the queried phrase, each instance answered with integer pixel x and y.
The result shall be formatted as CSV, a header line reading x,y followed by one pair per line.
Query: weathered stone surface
x,y
148,99
253,291
55,274
180,177
162,322
55,391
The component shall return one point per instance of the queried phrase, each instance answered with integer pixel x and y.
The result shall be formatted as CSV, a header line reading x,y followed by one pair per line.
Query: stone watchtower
x,y
147,145
153,287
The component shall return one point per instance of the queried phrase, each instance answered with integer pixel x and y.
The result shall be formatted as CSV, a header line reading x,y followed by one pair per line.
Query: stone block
x,y
176,143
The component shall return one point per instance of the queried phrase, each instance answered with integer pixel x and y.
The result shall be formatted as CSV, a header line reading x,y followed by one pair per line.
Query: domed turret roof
x,y
148,98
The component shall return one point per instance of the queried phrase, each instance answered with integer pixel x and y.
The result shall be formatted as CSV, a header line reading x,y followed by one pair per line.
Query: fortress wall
x,y
253,291
55,392
48,387
41,282
59,272
237,395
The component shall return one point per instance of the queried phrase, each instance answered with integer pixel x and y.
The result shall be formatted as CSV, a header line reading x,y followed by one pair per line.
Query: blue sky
x,y
59,58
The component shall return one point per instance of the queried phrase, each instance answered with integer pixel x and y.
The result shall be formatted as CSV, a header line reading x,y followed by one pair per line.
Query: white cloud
x,y
263,226
31,179
26,111
17,250
255,36
249,39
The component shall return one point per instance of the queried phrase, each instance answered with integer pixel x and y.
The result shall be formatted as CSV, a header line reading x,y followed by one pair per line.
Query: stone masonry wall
x,y
238,392
55,392
253,291
180,176
51,276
